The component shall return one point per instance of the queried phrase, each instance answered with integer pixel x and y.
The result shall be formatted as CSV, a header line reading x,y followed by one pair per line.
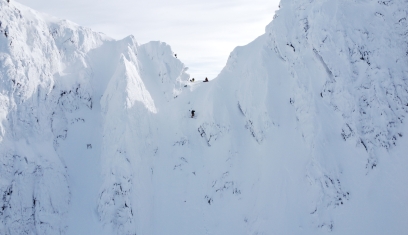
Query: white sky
x,y
202,33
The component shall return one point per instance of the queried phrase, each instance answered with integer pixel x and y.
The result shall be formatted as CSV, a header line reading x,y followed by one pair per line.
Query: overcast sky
x,y
202,33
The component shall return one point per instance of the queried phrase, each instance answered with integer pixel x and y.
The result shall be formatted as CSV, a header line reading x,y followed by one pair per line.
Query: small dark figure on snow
x,y
192,113
206,80
175,55
192,80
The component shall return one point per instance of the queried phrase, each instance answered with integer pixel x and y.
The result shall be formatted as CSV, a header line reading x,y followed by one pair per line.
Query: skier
x,y
175,55
192,113
206,80
192,80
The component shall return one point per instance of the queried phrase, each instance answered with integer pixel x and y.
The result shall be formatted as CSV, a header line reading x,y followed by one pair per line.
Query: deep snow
x,y
302,132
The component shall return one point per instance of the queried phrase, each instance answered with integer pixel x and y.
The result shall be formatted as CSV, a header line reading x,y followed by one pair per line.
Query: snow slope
x,y
302,132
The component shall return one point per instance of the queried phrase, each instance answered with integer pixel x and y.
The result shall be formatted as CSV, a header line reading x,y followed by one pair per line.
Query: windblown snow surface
x,y
303,132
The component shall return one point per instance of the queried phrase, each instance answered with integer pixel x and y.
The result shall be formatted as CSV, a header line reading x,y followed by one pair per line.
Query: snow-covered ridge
x,y
302,132
52,70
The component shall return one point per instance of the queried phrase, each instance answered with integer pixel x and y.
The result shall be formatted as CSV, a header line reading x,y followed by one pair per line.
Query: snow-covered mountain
x,y
302,132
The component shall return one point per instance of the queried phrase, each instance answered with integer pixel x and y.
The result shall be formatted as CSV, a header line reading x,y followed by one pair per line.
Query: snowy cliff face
x,y
58,80
348,59
356,54
342,66
303,131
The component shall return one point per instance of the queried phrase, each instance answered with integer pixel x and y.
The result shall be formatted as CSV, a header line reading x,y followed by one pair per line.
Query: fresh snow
x,y
302,132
